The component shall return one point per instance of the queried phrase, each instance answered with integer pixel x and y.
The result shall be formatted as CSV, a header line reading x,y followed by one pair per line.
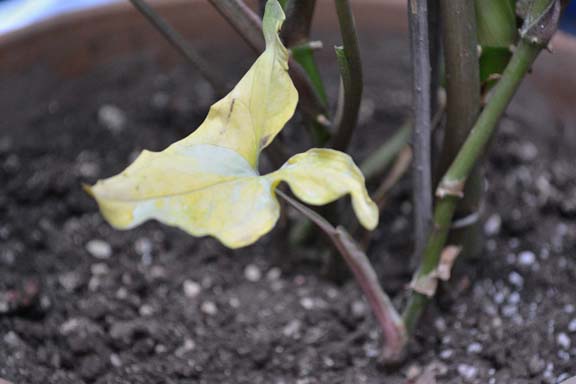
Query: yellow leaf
x,y
258,107
208,184
321,176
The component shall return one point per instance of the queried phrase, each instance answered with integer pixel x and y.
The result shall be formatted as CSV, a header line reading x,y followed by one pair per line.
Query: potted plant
x,y
246,231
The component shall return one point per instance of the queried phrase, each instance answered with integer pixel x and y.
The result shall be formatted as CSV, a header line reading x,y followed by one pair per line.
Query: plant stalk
x,y
535,37
296,35
296,29
180,44
458,23
388,318
421,102
246,22
350,64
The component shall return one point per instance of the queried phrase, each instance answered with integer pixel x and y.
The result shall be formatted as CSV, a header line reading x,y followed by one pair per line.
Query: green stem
x,y
304,55
180,44
441,225
497,32
352,80
463,104
451,186
296,36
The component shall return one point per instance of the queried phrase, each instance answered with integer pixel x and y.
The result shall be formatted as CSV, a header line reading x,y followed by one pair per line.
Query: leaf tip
x,y
272,22
88,189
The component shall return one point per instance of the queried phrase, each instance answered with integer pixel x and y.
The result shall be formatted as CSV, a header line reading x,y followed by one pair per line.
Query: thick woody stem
x,y
463,104
421,105
536,34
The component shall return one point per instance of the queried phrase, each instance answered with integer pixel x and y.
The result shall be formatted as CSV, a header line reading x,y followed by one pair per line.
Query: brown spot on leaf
x,y
230,110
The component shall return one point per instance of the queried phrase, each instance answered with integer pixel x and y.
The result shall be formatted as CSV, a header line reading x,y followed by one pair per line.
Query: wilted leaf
x,y
208,183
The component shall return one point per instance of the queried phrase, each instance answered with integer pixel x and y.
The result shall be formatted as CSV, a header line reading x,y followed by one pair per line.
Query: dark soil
x,y
83,303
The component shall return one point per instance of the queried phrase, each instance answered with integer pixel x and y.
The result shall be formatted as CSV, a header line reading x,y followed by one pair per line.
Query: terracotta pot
x,y
73,43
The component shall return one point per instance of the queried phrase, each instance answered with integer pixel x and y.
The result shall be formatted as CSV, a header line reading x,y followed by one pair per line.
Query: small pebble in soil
x,y
372,350
191,288
115,360
474,348
99,269
307,303
492,225
549,371
569,309
516,279
188,346
572,326
273,274
70,281
514,298
447,354
7,256
467,372
209,308
292,329
499,297
99,249
69,326
526,258
146,310
112,118
536,365
413,372
234,302
440,324
358,309
88,169
328,362
143,246
252,273
12,339
121,293
509,310
563,355
563,340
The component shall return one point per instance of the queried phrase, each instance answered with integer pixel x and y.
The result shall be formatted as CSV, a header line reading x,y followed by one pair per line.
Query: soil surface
x,y
83,303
